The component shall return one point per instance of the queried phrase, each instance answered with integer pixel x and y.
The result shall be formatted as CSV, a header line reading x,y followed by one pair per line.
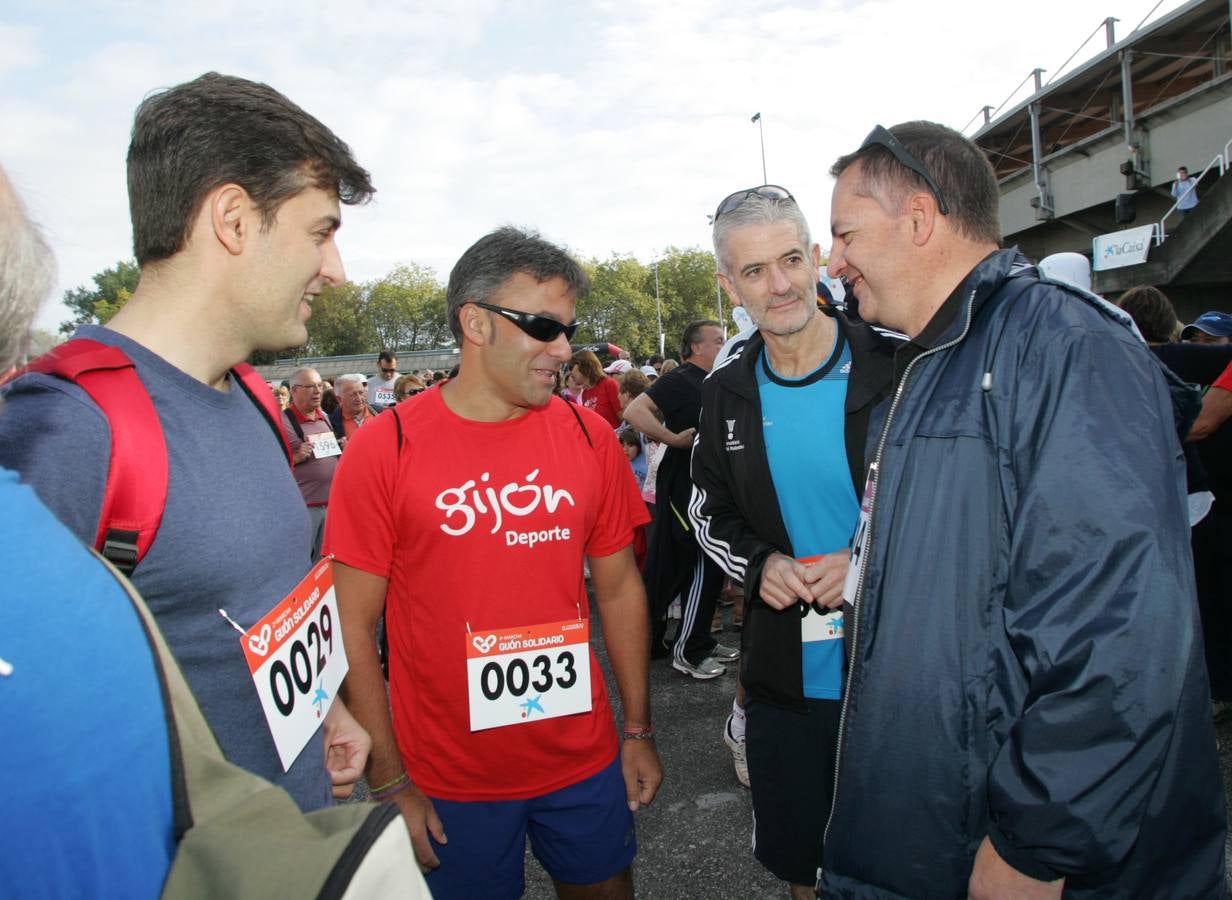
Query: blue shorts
x,y
581,834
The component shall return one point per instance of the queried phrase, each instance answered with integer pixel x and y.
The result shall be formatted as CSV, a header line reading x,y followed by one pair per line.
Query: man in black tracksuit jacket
x,y
776,470
735,509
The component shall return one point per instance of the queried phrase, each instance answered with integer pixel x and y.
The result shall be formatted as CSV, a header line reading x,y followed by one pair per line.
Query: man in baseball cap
x,y
1211,327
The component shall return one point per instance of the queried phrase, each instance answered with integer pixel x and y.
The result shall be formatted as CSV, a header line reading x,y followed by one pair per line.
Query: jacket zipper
x,y
872,515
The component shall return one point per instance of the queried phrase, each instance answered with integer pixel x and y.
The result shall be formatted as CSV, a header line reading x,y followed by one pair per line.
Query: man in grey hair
x,y
777,468
27,270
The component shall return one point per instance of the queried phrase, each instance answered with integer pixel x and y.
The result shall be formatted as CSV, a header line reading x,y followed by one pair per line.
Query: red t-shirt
x,y
432,521
1225,379
604,398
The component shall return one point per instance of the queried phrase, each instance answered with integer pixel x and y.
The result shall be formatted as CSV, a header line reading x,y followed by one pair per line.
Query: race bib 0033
x,y
297,661
520,675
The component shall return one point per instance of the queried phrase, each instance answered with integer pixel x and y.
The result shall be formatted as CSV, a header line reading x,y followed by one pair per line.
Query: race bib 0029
x,y
297,661
521,675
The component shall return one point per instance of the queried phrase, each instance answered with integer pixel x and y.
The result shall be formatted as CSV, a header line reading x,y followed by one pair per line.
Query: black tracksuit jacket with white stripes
x,y
734,508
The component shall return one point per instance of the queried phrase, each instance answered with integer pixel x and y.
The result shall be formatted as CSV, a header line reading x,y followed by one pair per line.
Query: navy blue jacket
x,y
1025,662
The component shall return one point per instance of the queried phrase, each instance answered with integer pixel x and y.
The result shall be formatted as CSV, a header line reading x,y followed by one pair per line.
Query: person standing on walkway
x,y
1185,189
675,564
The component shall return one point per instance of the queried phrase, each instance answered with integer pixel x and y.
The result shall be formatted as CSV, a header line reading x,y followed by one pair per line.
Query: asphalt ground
x,y
695,839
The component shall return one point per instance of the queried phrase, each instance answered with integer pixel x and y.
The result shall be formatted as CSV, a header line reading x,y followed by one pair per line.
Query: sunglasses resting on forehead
x,y
881,137
541,328
765,191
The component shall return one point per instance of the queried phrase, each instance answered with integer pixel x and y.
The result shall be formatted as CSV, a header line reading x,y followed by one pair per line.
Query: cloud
x,y
613,126
20,50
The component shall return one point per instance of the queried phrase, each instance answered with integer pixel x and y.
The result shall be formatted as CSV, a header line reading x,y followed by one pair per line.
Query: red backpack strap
x,y
136,491
258,391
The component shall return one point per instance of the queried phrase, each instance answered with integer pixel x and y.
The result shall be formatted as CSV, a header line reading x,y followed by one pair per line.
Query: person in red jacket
x,y
591,388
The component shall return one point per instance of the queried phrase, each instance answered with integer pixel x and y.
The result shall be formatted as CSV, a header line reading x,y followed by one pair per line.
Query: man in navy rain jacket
x,y
1026,711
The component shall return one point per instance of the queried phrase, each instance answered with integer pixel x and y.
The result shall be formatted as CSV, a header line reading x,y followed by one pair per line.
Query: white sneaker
x,y
705,670
673,609
739,760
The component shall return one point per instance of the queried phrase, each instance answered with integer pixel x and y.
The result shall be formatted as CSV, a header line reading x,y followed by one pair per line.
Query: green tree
x,y
406,309
108,284
687,288
104,310
618,308
338,326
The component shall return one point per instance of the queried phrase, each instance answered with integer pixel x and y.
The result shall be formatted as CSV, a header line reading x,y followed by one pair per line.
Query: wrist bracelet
x,y
637,733
393,782
381,796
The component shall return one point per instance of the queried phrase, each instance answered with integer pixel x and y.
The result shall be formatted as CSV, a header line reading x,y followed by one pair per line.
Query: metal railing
x,y
1222,160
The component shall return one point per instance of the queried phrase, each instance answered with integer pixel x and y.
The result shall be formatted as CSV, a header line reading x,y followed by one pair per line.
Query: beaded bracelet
x,y
637,733
393,782
383,795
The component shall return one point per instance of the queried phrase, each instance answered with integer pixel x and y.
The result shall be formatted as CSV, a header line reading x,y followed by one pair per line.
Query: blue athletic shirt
x,y
802,422
85,800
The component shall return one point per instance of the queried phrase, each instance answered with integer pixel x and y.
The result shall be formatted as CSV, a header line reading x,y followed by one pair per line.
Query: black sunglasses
x,y
541,328
881,137
736,200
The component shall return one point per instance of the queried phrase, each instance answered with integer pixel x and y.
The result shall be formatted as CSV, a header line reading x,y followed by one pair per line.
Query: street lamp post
x,y
762,135
658,307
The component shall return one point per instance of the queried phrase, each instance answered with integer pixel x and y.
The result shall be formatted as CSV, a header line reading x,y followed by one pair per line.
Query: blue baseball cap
x,y
1216,324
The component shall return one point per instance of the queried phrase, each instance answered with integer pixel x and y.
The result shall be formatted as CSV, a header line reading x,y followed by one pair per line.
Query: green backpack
x,y
238,836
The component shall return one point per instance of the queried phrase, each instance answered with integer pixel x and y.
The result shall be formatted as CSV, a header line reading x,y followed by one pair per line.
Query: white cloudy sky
x,y
611,126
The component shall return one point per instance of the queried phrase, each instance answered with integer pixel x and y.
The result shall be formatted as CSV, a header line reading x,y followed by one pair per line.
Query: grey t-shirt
x,y
235,533
381,391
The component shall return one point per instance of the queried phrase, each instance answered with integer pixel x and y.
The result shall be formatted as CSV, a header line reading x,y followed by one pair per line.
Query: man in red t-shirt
x,y
466,515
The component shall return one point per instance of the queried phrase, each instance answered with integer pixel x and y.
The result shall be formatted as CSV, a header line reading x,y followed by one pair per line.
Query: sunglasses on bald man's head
x,y
765,191
541,328
881,137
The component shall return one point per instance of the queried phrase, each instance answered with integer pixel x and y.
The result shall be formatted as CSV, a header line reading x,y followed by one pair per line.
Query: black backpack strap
x,y
293,422
259,393
581,424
